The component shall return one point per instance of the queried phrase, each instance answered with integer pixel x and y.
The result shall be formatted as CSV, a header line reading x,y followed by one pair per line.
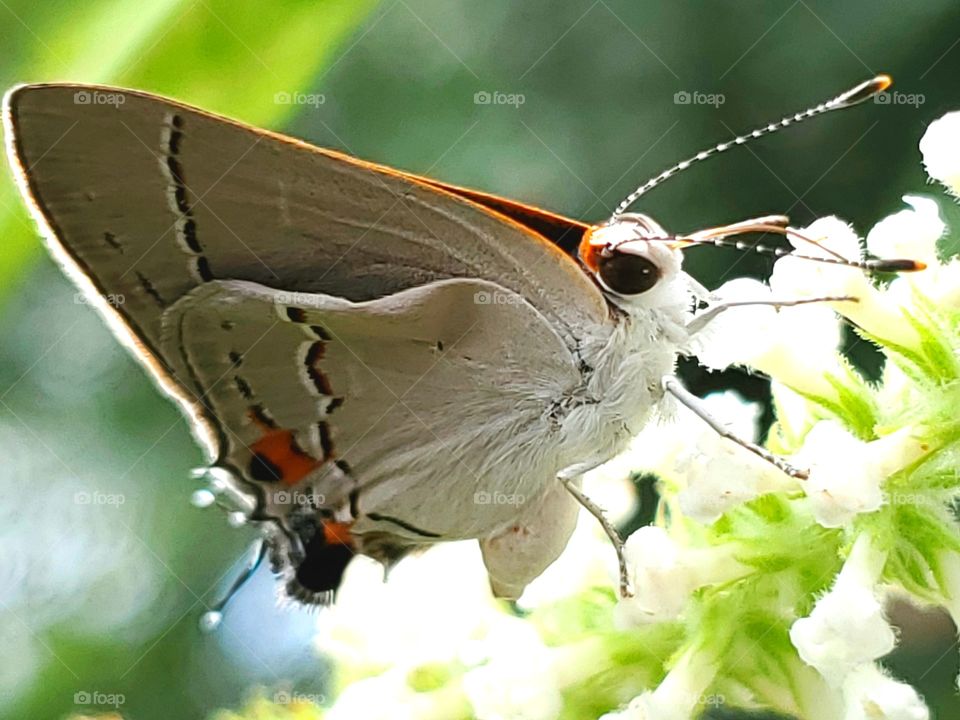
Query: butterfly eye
x,y
628,274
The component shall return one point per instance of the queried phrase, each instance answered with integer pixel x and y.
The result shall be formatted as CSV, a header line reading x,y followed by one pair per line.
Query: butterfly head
x,y
635,262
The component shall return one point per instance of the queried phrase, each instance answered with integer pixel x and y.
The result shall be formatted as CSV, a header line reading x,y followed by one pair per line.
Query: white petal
x,y
382,697
739,334
843,481
518,682
940,147
662,586
795,277
872,695
846,629
435,623
910,233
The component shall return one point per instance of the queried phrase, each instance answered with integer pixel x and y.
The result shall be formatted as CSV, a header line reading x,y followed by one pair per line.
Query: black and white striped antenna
x,y
853,96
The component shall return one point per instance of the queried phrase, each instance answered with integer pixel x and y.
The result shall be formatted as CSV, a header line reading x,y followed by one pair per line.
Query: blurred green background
x,y
104,566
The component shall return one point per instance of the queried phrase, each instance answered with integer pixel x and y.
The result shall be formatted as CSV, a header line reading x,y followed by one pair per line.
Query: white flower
x,y
796,345
664,575
720,474
796,277
680,696
739,334
518,682
869,694
846,473
876,312
911,234
435,623
847,627
382,697
843,481
662,586
794,418
940,146
711,473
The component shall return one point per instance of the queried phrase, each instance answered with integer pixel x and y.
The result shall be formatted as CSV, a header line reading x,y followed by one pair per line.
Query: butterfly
x,y
374,361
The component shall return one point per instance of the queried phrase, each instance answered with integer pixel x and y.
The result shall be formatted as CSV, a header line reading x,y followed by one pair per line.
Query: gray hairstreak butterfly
x,y
374,361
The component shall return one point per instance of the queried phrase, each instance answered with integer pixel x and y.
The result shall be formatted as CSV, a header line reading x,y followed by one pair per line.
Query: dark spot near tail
x,y
236,358
263,470
334,404
320,333
297,315
323,564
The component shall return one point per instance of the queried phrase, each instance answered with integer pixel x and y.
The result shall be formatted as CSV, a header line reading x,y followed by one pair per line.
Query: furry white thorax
x,y
628,363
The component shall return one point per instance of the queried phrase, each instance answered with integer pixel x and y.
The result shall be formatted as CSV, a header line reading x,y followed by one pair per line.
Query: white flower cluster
x,y
753,588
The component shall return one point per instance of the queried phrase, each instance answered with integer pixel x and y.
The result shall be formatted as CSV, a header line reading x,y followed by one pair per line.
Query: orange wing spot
x,y
589,252
338,533
278,455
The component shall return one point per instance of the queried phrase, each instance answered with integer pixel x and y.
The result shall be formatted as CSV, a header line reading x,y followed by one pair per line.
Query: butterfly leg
x,y
701,320
570,478
686,398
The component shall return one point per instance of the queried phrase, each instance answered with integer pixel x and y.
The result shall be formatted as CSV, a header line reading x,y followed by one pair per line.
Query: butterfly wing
x,y
145,199
329,323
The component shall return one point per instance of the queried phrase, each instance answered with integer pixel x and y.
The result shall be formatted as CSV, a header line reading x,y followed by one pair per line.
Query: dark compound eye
x,y
627,274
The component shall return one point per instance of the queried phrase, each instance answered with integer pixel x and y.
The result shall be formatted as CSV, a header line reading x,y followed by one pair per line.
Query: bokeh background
x,y
105,567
